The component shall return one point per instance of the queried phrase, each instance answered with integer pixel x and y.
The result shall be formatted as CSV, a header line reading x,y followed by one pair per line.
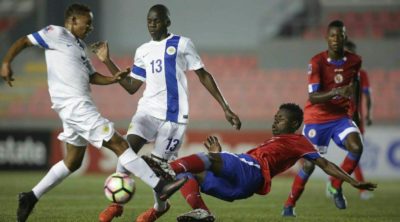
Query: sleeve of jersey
x,y
312,156
365,83
43,38
192,58
313,77
138,69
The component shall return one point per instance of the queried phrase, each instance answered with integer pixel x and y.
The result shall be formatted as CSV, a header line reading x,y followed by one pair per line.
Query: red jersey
x,y
279,154
325,75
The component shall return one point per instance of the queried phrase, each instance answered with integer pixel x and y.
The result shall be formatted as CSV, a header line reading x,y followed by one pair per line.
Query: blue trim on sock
x,y
303,175
205,159
353,156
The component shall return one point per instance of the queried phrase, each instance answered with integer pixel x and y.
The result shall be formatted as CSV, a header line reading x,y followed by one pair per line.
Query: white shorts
x,y
82,123
167,135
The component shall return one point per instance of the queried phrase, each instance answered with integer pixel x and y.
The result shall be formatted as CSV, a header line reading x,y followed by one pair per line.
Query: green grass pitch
x,y
81,198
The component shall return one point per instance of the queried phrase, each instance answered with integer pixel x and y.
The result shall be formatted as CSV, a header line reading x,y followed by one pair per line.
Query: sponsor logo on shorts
x,y
106,129
312,133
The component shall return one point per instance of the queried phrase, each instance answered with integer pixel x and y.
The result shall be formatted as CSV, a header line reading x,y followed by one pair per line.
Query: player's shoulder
x,y
353,57
319,57
55,30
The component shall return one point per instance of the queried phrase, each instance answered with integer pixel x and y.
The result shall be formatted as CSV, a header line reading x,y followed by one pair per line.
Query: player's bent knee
x,y
308,167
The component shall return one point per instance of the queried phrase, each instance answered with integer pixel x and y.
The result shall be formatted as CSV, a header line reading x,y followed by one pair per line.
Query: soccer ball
x,y
119,188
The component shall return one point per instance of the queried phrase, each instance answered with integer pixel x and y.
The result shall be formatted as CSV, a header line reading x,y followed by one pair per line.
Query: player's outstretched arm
x,y
208,81
335,171
13,51
98,79
101,50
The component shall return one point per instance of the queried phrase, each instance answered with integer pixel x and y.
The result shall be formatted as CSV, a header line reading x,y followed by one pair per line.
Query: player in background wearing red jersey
x,y
328,113
230,176
365,94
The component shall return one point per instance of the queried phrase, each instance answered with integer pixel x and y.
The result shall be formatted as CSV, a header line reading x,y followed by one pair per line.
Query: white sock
x,y
121,169
56,174
159,205
136,165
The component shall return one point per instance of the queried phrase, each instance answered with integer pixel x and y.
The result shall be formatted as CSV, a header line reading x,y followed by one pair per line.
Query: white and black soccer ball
x,y
119,188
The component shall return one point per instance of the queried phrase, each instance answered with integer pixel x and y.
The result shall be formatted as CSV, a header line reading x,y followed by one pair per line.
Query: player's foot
x,y
160,167
288,211
338,197
113,210
26,203
152,214
170,188
199,214
366,195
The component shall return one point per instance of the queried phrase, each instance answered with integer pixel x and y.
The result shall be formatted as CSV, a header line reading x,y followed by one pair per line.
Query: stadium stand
x,y
253,92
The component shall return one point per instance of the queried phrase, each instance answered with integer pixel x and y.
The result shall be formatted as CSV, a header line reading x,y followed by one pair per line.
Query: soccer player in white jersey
x,y
69,74
163,110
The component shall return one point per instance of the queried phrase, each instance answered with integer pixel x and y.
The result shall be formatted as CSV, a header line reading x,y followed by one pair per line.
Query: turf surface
x,y
80,198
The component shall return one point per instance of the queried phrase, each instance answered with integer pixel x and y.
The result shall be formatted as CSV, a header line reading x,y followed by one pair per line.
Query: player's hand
x,y
233,119
101,50
346,91
365,186
7,73
122,74
212,144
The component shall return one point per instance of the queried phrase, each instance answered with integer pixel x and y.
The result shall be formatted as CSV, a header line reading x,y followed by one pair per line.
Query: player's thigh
x,y
319,135
347,135
169,139
144,126
84,120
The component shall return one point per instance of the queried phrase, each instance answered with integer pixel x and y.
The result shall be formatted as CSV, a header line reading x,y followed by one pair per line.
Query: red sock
x,y
192,163
191,193
297,188
358,174
348,165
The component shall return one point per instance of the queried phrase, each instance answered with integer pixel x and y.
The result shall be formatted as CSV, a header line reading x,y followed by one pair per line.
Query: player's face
x,y
82,25
282,123
157,25
336,38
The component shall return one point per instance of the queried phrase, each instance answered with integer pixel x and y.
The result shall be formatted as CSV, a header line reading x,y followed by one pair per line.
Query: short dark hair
x,y
336,24
76,9
350,46
161,9
296,113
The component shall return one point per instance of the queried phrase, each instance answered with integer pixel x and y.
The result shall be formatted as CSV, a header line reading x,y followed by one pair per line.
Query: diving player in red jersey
x,y
365,94
328,113
230,176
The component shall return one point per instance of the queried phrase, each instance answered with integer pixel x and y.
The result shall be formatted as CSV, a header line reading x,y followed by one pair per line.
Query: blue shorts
x,y
321,134
240,178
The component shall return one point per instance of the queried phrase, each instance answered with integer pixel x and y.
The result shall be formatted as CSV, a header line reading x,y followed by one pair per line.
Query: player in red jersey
x,y
328,113
365,94
230,176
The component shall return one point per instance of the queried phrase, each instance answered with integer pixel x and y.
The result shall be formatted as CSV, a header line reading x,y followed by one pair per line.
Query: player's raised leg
x,y
298,186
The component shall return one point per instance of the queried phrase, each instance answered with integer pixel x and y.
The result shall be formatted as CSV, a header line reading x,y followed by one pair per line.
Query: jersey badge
x,y
338,78
171,50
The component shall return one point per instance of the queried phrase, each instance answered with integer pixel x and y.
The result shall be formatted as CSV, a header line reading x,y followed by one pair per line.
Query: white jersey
x,y
68,67
162,65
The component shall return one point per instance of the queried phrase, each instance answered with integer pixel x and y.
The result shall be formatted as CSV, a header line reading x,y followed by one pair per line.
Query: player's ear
x,y
295,125
168,22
